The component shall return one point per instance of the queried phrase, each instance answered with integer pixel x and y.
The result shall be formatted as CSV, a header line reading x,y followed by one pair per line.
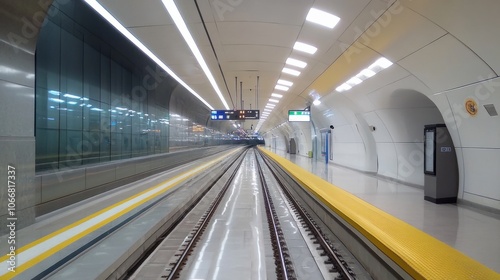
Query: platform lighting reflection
x,y
116,24
316,102
57,100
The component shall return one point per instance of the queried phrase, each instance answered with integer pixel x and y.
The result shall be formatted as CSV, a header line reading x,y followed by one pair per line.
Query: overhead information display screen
x,y
228,115
299,116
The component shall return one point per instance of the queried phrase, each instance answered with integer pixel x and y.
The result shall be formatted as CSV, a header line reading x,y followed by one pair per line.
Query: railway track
x,y
280,208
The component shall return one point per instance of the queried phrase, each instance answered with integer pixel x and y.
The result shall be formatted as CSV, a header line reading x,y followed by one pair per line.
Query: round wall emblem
x,y
471,106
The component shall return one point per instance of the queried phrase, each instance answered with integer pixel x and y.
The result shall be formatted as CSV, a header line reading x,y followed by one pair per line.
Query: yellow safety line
x,y
419,254
64,244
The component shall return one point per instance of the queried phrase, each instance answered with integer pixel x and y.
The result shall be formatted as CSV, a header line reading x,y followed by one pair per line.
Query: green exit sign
x,y
299,116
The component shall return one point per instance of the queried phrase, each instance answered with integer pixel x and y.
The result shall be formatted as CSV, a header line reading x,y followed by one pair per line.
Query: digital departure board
x,y
228,115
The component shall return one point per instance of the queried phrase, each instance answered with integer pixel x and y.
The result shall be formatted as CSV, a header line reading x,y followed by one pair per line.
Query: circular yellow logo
x,y
471,106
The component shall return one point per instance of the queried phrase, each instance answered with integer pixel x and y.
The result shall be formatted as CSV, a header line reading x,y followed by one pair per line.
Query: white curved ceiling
x,y
434,45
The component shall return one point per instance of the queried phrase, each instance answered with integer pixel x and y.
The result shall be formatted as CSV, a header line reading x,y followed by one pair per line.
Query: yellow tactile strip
x,y
419,254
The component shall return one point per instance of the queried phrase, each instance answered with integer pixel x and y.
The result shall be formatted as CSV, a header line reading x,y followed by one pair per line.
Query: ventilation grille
x,y
490,108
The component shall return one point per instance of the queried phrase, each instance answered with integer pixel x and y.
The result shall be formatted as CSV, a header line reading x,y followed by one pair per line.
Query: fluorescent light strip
x,y
304,47
116,24
280,87
274,100
276,95
285,83
181,25
290,71
343,87
322,18
354,81
374,68
296,62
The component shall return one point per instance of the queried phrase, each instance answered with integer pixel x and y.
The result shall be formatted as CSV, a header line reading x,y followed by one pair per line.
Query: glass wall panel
x,y
91,101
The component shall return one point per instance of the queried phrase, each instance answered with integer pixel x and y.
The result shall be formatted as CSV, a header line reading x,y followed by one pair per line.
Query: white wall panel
x,y
407,124
481,130
445,64
407,93
403,33
381,134
483,176
346,134
475,23
461,172
387,160
441,101
410,162
349,154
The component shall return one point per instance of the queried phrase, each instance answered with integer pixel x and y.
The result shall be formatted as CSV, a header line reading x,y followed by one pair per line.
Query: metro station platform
x,y
472,231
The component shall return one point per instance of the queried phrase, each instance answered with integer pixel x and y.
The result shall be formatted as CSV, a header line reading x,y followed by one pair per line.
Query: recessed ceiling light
x,y
381,62
276,95
304,48
354,81
366,73
285,83
343,87
296,62
274,100
280,87
322,18
290,71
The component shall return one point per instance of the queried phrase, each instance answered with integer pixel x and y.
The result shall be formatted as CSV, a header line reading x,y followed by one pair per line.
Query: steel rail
x,y
174,272
325,244
283,270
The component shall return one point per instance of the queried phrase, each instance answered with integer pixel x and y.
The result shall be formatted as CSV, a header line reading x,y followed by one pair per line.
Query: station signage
x,y
234,115
299,116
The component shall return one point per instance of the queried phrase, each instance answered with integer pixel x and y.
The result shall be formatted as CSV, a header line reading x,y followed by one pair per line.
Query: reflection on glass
x,y
429,151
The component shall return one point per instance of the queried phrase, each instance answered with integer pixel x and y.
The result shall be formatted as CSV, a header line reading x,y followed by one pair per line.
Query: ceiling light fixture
x,y
296,62
304,47
322,18
343,87
285,83
379,65
316,102
181,25
290,71
116,24
274,100
276,95
280,87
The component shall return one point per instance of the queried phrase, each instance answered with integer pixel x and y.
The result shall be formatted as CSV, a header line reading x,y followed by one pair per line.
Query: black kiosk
x,y
440,165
